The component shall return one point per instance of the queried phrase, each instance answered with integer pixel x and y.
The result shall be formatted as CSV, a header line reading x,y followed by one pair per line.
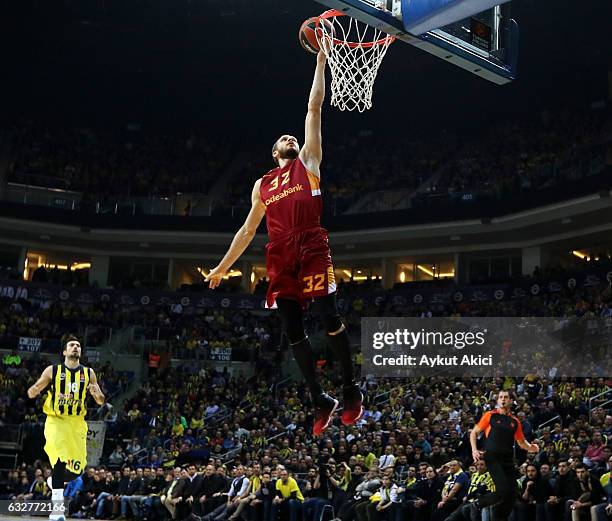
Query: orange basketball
x,y
309,31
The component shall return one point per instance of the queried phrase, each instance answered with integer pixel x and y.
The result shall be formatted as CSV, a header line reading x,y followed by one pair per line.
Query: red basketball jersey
x,y
292,197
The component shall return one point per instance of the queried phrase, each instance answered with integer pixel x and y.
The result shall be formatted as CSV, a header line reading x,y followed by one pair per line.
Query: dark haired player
x,y
65,407
501,430
298,258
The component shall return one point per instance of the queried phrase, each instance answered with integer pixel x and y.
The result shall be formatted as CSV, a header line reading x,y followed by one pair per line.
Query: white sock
x,y
57,497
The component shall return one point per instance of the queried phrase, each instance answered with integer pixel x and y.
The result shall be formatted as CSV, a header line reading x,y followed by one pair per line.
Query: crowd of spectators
x,y
505,160
55,276
105,165
189,331
526,155
529,155
353,167
122,277
182,329
194,442
200,449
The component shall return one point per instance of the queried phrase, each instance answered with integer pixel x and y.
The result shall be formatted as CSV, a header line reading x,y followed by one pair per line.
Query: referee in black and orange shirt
x,y
501,429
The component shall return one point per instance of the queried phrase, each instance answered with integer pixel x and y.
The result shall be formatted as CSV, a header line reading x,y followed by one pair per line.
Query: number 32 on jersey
x,y
314,283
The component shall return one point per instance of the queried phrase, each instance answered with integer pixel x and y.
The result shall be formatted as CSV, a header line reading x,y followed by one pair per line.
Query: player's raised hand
x,y
325,44
215,277
321,57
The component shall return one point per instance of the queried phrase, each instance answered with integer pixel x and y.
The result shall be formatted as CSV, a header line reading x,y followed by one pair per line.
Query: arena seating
x,y
523,156
192,414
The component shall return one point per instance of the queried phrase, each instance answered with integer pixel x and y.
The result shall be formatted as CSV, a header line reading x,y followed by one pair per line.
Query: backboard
x,y
484,43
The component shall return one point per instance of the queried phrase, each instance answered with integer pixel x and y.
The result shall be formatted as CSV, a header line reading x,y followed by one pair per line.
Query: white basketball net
x,y
354,53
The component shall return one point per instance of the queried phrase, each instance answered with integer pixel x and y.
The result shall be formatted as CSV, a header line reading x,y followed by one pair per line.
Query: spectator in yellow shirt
x,y
288,498
177,428
196,423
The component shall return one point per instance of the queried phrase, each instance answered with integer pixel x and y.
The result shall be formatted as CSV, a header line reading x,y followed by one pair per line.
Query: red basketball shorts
x,y
300,267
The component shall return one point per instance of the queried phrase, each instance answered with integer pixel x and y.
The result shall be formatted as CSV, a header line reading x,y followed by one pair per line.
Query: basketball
x,y
309,31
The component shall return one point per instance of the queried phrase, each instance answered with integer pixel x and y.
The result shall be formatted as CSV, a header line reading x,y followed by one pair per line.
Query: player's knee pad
x,y
328,310
292,317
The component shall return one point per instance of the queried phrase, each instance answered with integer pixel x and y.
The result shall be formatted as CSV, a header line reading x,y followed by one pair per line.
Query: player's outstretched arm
x,y
242,239
41,383
312,151
94,389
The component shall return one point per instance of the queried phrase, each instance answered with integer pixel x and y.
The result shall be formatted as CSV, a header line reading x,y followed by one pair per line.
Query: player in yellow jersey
x,y
65,407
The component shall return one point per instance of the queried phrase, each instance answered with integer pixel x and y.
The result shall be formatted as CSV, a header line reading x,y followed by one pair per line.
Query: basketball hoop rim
x,y
334,13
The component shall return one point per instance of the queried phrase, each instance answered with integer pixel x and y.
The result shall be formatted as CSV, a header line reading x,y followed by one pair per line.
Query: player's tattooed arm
x,y
312,151
41,383
94,389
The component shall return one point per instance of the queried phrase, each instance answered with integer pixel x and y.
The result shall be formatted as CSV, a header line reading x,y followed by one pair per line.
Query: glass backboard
x,y
484,43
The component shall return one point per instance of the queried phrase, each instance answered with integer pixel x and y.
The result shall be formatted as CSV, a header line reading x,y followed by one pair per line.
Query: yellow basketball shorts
x,y
66,440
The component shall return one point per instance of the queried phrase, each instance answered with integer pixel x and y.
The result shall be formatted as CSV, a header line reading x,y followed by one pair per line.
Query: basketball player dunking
x,y
65,407
298,259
